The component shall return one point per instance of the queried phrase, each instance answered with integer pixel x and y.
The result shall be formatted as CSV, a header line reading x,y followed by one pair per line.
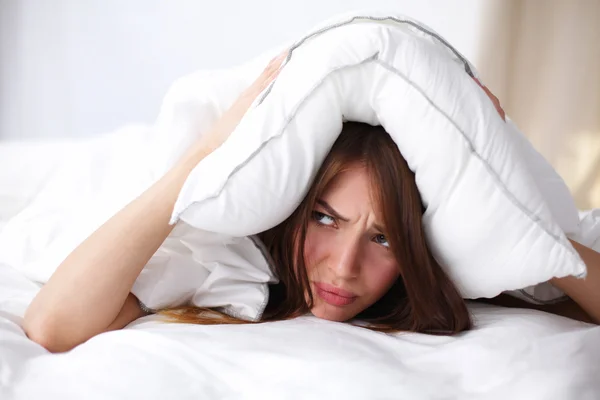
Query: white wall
x,y
79,67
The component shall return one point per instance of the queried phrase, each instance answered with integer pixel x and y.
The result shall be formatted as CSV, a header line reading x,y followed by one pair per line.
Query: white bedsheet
x,y
512,354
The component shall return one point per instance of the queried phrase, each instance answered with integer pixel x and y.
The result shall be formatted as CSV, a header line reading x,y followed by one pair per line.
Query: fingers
x,y
276,62
271,71
493,98
268,75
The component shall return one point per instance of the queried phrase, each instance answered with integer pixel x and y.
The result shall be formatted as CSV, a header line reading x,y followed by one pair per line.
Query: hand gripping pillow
x,y
96,178
495,211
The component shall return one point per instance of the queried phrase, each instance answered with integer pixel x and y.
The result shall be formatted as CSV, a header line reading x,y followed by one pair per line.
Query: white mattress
x,y
511,354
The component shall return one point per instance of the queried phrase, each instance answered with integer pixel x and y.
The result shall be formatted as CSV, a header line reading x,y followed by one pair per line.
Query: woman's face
x,y
348,260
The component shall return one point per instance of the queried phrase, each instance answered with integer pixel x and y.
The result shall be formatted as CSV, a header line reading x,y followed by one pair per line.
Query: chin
x,y
330,313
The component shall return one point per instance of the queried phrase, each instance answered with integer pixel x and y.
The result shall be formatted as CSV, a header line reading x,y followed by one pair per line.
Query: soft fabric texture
x,y
588,235
496,212
77,185
510,354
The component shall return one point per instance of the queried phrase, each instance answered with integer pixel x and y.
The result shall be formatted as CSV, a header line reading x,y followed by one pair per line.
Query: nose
x,y
345,261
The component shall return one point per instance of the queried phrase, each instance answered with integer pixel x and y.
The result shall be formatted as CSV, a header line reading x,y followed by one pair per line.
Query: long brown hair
x,y
422,300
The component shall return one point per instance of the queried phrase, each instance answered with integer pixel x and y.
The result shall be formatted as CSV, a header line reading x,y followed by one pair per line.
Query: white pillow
x,y
493,217
95,179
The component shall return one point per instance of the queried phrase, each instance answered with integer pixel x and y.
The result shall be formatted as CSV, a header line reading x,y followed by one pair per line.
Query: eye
x,y
380,239
323,219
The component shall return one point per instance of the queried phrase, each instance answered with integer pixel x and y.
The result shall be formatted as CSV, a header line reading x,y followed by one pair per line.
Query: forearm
x,y
128,313
88,290
88,293
567,308
585,292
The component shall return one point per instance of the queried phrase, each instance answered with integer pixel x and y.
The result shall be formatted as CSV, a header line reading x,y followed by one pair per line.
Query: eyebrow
x,y
379,228
331,211
337,215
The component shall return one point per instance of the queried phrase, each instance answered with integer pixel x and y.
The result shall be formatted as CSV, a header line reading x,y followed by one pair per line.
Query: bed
x,y
511,353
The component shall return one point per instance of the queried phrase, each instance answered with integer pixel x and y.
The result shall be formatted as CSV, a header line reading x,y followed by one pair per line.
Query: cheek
x,y
315,247
380,276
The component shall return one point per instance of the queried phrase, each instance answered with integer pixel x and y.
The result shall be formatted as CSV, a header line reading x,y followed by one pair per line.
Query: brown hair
x,y
422,300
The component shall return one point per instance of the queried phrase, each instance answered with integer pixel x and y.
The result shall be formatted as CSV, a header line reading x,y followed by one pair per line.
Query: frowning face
x,y
348,259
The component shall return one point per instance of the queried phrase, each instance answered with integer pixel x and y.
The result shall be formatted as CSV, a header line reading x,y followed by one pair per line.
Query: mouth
x,y
333,295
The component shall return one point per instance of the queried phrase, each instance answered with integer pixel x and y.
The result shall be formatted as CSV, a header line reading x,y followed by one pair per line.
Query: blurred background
x,y
71,68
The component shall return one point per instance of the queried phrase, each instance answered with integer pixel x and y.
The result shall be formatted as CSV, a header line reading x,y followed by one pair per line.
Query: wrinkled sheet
x,y
512,354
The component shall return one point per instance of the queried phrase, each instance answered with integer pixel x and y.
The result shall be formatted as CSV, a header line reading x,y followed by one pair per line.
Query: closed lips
x,y
335,290
333,295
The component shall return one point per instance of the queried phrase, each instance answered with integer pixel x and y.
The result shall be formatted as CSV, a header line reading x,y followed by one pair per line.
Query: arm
x,y
584,302
89,293
567,308
129,312
585,292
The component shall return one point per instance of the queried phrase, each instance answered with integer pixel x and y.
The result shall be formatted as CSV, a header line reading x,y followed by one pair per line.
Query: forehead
x,y
351,190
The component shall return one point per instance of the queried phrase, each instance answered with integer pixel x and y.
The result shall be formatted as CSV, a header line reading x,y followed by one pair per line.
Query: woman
x,y
353,248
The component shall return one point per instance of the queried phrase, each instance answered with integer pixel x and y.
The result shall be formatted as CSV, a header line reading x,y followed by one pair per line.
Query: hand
x,y
493,98
232,117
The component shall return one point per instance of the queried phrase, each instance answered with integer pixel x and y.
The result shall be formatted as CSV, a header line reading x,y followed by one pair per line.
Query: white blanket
x,y
511,354
60,193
